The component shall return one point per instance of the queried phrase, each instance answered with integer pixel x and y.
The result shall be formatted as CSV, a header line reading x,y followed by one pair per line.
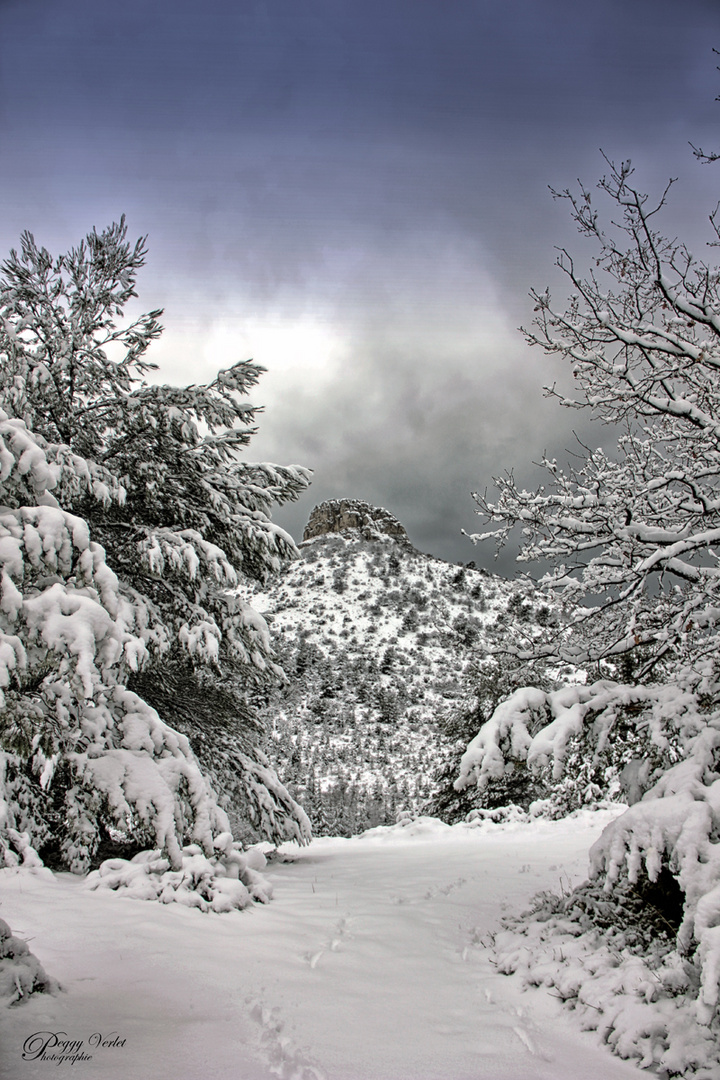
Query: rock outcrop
x,y
352,515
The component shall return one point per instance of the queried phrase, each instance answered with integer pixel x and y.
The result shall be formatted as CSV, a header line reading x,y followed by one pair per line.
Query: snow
x,y
371,963
674,823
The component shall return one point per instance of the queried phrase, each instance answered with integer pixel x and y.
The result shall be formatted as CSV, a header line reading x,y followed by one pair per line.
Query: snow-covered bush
x,y
641,730
672,781
612,958
21,973
516,785
227,879
127,520
663,850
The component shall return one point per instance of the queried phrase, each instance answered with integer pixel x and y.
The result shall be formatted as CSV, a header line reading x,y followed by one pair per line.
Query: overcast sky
x,y
355,194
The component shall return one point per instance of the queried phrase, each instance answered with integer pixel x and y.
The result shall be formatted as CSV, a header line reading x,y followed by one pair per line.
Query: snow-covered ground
x,y
371,963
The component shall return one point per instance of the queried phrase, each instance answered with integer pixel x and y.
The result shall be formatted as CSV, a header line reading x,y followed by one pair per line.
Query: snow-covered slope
x,y
381,644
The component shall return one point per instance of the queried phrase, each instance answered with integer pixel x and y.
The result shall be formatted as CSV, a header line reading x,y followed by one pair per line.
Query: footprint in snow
x,y
284,1058
526,1038
340,933
444,890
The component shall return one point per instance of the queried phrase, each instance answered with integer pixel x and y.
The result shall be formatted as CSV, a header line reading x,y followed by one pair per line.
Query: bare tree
x,y
630,538
630,535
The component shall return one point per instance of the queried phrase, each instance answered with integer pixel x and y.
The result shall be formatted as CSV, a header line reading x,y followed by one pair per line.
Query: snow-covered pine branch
x,y
78,378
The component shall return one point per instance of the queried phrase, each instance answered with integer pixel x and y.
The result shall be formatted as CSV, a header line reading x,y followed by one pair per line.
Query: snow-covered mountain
x,y
382,645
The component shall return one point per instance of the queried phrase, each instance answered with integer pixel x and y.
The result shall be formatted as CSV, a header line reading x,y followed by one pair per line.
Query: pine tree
x,y
163,519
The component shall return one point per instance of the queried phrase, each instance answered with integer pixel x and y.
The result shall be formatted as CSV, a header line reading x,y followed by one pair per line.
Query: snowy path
x,y
368,965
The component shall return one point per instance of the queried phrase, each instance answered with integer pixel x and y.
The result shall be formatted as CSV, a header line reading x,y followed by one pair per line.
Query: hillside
x,y
383,646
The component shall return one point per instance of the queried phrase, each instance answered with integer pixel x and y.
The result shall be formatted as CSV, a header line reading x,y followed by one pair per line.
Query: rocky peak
x,y
346,515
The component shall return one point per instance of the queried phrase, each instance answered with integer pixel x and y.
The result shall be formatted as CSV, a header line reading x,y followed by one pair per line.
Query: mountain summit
x,y
353,516
384,647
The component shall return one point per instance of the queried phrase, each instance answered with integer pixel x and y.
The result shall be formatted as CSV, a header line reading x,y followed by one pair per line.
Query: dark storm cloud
x,y
230,66
377,171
